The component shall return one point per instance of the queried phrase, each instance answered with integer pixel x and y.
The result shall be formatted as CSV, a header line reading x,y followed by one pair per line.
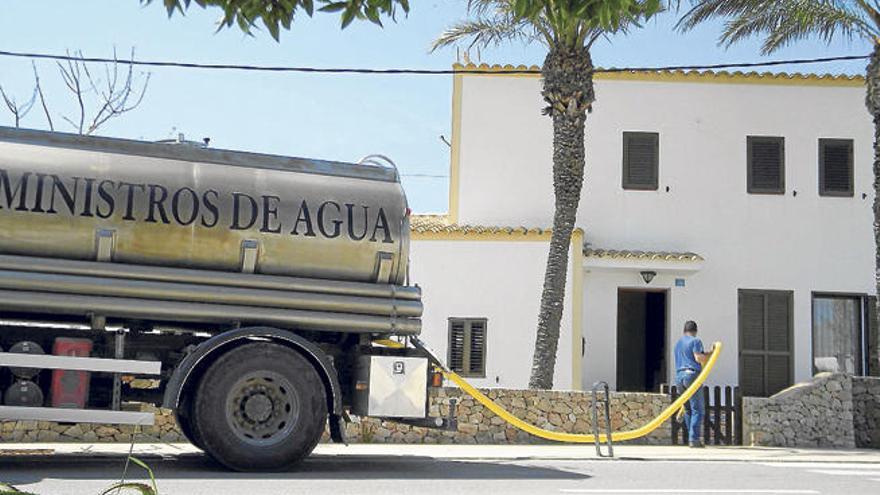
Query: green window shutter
x,y
836,167
751,317
751,380
778,321
456,346
778,373
765,342
467,346
641,160
477,361
766,164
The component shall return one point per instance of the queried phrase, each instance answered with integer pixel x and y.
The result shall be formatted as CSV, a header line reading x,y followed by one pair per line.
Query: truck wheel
x,y
185,422
259,407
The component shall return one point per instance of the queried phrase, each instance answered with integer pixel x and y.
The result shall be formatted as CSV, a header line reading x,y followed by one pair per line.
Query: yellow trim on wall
x,y
478,236
680,76
577,307
455,151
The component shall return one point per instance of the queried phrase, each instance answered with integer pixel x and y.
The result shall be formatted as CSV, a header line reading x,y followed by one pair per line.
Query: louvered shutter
x,y
641,152
467,346
477,359
751,377
456,346
836,167
766,164
765,347
751,321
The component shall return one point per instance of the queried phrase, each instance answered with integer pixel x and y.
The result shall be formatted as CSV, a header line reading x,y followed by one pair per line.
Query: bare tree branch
x,y
43,104
117,95
98,98
18,111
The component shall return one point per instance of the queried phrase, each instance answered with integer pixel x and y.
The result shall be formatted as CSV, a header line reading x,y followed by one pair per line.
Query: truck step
x,y
96,365
76,415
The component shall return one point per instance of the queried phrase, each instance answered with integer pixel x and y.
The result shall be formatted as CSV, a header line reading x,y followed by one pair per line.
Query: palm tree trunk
x,y
568,91
872,100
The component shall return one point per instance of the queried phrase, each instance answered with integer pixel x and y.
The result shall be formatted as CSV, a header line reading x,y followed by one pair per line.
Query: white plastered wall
x,y
497,280
799,242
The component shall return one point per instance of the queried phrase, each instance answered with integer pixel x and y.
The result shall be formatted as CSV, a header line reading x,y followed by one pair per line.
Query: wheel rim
x,y
262,408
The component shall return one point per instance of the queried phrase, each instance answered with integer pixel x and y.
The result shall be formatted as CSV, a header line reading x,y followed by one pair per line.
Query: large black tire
x,y
259,407
185,422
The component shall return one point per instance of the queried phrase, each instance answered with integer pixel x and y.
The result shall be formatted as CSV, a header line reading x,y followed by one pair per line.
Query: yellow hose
x,y
584,438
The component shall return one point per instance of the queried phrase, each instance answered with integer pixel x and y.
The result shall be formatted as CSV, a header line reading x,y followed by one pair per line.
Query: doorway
x,y
641,340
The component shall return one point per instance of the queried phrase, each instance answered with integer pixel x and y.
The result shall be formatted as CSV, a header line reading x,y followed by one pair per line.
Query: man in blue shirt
x,y
689,360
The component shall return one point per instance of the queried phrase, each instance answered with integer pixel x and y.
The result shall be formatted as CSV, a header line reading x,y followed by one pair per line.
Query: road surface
x,y
194,474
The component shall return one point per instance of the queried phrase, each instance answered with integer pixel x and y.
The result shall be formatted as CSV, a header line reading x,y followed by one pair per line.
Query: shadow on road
x,y
33,469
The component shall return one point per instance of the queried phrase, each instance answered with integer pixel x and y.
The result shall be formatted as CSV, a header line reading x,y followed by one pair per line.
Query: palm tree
x,y
276,15
782,22
568,29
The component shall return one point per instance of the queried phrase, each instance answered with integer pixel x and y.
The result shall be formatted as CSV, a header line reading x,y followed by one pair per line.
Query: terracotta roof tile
x,y
440,224
635,255
793,78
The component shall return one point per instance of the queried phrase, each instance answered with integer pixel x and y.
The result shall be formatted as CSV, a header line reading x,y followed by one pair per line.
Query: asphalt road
x,y
193,474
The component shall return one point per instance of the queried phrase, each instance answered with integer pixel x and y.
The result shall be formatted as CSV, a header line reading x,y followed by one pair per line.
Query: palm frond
x,y
493,23
782,22
554,23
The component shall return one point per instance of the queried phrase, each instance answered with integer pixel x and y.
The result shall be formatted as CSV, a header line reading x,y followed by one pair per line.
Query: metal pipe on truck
x,y
171,311
207,277
102,286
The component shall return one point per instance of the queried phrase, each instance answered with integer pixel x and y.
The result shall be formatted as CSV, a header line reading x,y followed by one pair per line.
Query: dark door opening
x,y
641,340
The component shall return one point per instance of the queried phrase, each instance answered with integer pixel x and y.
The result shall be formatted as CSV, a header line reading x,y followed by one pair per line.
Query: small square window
x,y
467,346
641,160
766,164
836,167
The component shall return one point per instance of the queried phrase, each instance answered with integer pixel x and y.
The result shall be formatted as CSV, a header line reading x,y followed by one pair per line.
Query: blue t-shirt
x,y
684,353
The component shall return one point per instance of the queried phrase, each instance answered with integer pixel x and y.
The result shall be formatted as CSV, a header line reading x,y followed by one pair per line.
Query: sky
x,y
334,117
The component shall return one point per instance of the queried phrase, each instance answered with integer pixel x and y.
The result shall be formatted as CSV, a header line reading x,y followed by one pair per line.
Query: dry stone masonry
x,y
553,410
813,414
833,410
866,411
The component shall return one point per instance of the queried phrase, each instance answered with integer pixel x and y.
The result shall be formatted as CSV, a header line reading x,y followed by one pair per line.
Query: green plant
x,y
130,487
7,489
276,15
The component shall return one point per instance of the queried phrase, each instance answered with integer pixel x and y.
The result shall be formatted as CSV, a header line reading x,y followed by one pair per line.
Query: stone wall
x,y
559,411
866,411
164,430
813,414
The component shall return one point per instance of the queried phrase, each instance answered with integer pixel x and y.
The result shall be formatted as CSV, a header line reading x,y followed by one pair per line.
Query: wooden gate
x,y
722,422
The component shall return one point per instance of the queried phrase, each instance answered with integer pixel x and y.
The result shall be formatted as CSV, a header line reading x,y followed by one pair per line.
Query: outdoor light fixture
x,y
647,276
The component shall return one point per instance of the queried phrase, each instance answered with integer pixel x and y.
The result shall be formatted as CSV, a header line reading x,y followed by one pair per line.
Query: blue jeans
x,y
694,408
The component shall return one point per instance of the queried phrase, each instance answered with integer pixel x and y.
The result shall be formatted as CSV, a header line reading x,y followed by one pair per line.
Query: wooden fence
x,y
722,421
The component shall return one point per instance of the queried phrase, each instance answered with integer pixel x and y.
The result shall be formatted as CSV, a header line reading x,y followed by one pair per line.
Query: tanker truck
x,y
248,293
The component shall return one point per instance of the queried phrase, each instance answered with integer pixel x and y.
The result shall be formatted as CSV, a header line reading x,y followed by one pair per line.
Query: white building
x,y
747,197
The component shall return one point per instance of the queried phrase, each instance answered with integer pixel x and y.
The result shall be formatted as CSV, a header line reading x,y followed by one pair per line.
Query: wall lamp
x,y
647,276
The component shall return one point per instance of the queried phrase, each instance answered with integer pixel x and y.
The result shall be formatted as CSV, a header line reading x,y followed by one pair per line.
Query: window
x,y
836,167
837,333
467,346
641,151
765,341
766,164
